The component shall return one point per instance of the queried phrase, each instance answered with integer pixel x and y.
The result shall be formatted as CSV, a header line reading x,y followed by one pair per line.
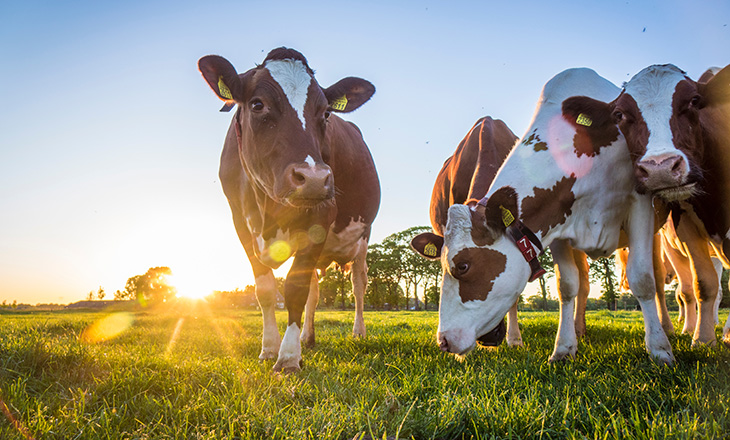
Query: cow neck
x,y
525,240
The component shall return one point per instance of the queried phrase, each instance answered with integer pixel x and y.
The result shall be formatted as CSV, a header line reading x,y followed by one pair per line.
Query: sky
x,y
110,139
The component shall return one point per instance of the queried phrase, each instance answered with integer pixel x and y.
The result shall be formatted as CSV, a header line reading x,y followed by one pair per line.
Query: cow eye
x,y
695,101
257,105
462,268
618,116
327,115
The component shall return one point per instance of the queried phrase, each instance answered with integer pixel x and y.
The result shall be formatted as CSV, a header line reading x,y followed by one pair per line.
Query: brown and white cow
x,y
300,182
678,132
464,178
563,187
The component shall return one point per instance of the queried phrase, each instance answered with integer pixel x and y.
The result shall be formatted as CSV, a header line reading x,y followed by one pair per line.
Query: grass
x,y
194,374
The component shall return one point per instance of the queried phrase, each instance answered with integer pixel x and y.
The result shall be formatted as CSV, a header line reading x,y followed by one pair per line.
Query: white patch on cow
x,y
653,90
290,353
294,80
266,296
310,161
347,243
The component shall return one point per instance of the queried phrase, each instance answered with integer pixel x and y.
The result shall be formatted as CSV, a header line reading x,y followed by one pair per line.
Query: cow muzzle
x,y
665,176
457,341
309,185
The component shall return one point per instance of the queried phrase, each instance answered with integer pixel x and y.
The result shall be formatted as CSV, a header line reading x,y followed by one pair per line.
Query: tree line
x,y
398,279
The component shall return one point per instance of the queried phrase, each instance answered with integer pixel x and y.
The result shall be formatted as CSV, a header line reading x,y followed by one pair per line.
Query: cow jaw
x,y
502,275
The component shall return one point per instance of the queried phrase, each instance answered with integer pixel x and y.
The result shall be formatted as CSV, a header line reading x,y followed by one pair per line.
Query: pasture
x,y
194,374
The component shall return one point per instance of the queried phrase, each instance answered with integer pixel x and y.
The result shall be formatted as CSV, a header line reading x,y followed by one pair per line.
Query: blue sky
x,y
110,139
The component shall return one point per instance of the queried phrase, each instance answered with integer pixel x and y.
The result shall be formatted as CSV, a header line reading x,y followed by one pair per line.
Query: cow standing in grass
x,y
678,132
300,182
560,186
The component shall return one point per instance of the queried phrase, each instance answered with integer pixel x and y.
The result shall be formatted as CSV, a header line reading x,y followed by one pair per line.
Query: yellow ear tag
x,y
430,250
223,89
507,217
584,120
340,103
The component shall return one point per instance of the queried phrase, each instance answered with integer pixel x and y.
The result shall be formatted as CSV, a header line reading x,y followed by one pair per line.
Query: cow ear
x,y
589,113
348,94
222,78
428,245
501,209
717,90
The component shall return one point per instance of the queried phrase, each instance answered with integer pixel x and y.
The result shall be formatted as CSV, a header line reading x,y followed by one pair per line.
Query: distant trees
x,y
151,286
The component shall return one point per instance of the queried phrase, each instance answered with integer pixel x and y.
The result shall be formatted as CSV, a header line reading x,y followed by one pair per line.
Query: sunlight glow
x,y
188,286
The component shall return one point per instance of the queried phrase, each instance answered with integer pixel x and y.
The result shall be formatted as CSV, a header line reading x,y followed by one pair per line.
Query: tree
x,y
90,295
546,260
602,271
100,294
384,277
334,282
150,287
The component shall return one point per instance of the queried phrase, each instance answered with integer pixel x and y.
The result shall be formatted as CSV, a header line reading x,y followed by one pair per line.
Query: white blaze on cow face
x,y
294,80
662,164
473,302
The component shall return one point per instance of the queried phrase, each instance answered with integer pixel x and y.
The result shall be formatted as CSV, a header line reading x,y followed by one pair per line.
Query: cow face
x,y
658,112
281,123
483,271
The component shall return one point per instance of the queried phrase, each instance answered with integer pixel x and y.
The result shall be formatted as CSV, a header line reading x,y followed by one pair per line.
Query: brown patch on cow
x,y
685,121
483,267
549,207
535,141
481,235
505,197
633,126
596,128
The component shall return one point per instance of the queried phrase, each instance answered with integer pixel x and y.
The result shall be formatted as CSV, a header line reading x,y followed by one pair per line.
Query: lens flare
x,y
107,327
280,251
317,234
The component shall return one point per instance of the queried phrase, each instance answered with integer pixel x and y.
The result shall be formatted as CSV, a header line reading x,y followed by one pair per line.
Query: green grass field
x,y
194,374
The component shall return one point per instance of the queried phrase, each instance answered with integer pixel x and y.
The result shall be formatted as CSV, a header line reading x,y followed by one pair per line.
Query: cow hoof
x,y
515,343
562,354
307,341
669,329
697,343
358,331
664,358
287,366
268,355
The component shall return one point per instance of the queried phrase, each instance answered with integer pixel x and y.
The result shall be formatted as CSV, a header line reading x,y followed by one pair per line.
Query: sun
x,y
188,287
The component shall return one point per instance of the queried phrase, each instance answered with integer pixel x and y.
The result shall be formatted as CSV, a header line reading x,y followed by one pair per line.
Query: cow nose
x,y
443,342
312,182
662,172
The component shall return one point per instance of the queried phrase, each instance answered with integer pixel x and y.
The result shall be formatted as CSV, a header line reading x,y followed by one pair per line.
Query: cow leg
x,y
266,290
706,290
296,293
640,274
359,277
660,274
584,288
567,274
266,296
718,269
680,303
307,337
686,296
514,337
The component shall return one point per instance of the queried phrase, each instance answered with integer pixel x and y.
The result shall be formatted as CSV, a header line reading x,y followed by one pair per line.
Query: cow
x,y
562,187
300,183
678,133
464,178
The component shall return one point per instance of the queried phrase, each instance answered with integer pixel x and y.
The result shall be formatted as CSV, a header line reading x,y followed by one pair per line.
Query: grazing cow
x,y
464,178
300,182
678,133
560,186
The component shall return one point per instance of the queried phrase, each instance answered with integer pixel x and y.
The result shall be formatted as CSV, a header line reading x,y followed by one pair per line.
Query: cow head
x,y
281,122
483,271
658,112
